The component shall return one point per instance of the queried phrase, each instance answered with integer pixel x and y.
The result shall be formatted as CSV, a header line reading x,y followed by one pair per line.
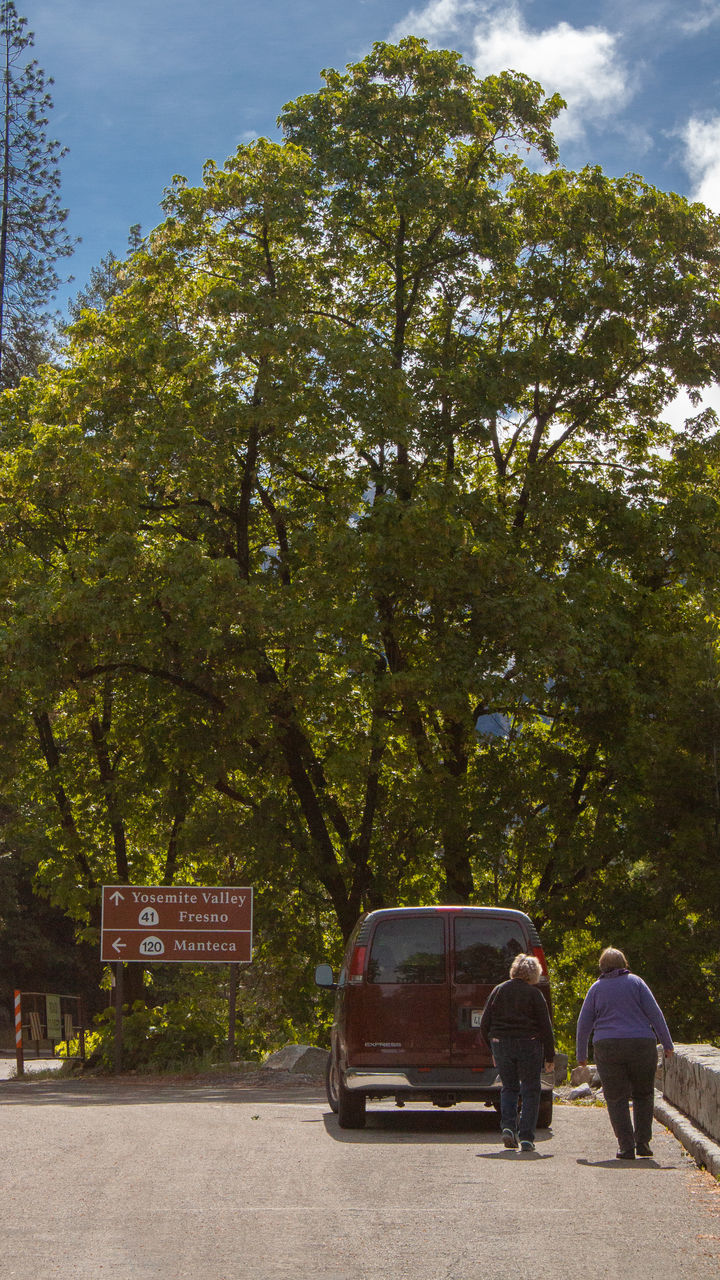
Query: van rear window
x,y
485,947
408,950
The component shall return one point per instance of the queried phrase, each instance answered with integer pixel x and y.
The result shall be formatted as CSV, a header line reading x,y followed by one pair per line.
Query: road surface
x,y
191,1181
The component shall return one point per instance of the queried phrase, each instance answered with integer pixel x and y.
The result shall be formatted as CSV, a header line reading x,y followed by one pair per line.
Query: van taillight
x,y
540,955
357,964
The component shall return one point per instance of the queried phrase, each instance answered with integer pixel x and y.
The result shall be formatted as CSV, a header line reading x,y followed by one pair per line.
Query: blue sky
x,y
148,88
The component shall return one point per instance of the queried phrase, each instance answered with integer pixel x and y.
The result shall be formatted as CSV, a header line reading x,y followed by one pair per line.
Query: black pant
x,y
627,1071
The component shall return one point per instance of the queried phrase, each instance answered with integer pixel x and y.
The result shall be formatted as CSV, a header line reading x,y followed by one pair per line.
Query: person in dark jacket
x,y
516,1025
626,1022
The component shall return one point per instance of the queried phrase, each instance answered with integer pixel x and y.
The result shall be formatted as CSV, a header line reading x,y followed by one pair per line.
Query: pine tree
x,y
106,279
32,222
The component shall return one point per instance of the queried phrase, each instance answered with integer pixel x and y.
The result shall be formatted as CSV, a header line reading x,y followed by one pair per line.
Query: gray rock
x,y
581,1075
561,1068
692,1084
301,1059
705,1152
558,1075
582,1091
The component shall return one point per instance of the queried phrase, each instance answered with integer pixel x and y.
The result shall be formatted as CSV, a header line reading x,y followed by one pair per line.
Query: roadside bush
x,y
170,1037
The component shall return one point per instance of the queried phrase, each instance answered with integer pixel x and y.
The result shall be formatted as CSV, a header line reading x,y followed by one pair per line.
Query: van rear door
x,y
401,1011
482,949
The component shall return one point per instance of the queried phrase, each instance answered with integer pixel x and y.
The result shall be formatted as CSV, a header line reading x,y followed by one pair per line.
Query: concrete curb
x,y
704,1151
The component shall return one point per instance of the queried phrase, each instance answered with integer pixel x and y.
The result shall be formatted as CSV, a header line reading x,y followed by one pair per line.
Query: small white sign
x,y
152,946
54,1021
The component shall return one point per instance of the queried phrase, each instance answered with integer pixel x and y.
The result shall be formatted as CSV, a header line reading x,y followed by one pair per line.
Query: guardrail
x,y
691,1083
690,1106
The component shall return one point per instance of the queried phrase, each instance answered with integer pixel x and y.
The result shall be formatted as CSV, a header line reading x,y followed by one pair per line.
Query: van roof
x,y
505,913
455,906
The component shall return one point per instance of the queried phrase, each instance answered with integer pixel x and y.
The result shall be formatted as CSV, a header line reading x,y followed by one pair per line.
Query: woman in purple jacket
x,y
625,1021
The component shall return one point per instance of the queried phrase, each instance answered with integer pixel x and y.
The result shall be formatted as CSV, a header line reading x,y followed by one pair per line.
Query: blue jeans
x,y
519,1061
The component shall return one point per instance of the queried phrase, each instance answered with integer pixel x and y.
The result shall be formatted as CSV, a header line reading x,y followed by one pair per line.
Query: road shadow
x,y
522,1156
413,1125
618,1165
110,1092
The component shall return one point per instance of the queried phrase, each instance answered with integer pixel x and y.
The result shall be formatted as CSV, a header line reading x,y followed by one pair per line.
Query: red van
x,y
408,1003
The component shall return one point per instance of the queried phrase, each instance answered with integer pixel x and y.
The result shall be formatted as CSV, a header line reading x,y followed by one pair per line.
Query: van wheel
x,y
545,1113
331,1082
351,1107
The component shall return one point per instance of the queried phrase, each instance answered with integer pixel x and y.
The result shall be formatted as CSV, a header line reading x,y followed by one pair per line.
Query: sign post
x,y
232,1011
19,1056
118,1042
174,924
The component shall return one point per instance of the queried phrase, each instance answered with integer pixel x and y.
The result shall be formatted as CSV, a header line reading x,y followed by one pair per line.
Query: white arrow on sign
x,y
117,896
118,945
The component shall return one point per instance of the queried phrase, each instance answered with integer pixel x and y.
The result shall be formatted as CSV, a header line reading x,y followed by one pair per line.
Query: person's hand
x,y
582,1062
549,1068
669,1053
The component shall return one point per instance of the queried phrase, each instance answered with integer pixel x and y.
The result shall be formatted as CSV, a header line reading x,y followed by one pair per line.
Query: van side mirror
x,y
324,976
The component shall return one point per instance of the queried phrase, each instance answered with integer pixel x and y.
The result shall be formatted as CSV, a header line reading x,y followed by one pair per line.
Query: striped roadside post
x,y
18,1036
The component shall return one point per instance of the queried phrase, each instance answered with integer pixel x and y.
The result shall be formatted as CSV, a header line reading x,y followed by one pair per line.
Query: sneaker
x,y
644,1149
527,1145
625,1155
509,1139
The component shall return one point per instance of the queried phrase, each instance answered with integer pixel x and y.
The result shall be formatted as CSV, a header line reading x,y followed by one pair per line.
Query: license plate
x,y
475,1017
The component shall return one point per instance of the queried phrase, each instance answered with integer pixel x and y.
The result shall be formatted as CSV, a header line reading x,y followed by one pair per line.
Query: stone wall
x,y
692,1084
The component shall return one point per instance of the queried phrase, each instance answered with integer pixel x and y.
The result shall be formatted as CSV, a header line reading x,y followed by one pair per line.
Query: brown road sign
x,y
177,923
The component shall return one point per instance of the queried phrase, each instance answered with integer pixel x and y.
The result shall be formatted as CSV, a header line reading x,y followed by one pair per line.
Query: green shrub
x,y
169,1037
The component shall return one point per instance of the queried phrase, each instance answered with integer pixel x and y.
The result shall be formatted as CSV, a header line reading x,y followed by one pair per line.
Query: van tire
x,y
351,1107
331,1082
544,1119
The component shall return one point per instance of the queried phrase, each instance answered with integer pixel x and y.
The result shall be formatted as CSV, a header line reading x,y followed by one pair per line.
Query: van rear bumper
x,y
413,1080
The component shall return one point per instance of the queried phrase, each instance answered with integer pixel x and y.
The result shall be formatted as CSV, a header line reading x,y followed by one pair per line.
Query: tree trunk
x,y
4,217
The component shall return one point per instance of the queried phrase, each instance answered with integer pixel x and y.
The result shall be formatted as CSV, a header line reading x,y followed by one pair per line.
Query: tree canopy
x,y
350,551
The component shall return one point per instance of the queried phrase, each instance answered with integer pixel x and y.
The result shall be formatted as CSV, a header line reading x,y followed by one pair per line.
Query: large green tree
x,y
351,539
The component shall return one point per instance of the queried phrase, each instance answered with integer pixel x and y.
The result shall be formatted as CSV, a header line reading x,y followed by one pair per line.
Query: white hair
x,y
526,967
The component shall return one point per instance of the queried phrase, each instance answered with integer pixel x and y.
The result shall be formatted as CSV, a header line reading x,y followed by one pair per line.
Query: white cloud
x,y
702,159
707,14
582,64
439,18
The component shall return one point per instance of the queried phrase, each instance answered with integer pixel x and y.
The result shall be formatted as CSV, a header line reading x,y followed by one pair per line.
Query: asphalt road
x,y
222,1182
